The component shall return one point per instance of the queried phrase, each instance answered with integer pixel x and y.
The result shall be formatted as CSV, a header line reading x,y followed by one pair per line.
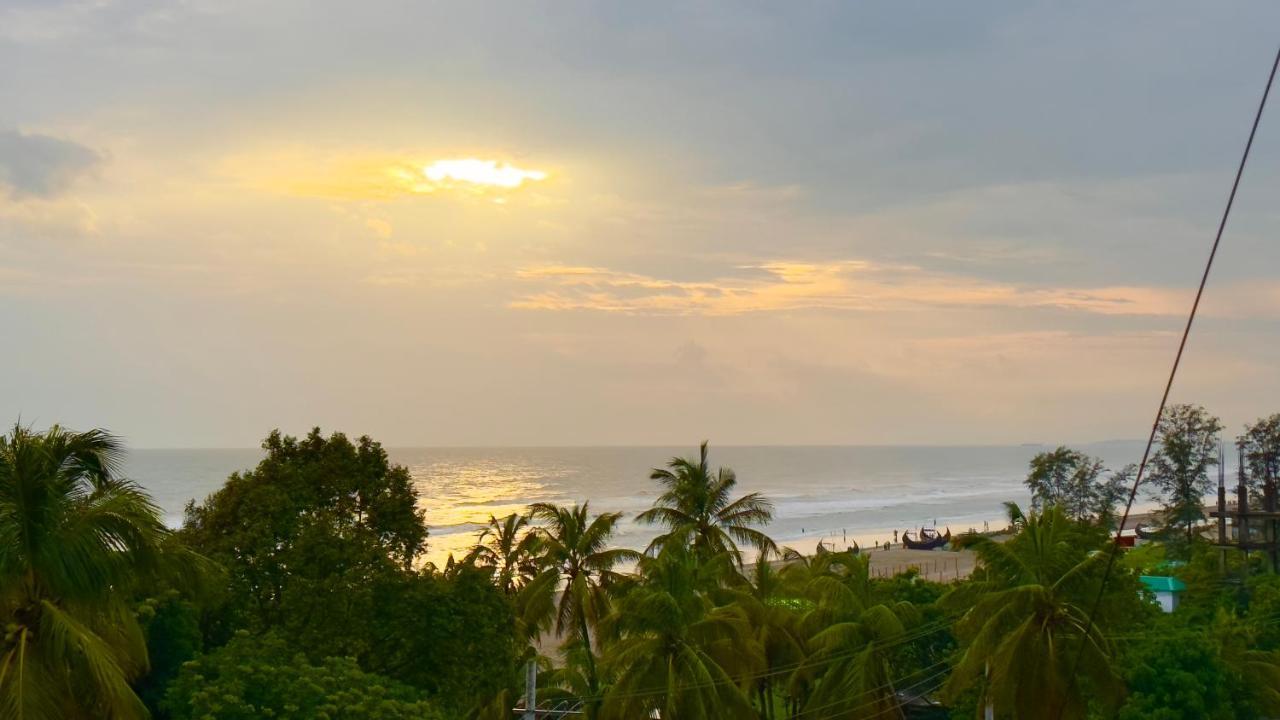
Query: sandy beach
x,y
936,565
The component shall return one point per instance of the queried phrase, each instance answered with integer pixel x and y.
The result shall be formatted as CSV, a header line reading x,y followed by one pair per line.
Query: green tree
x,y
1179,676
851,639
307,536
1179,470
319,543
930,645
1260,444
1025,616
771,610
453,636
75,541
1258,668
1185,667
252,678
534,607
510,549
1075,482
677,651
697,507
1263,608
575,546
172,628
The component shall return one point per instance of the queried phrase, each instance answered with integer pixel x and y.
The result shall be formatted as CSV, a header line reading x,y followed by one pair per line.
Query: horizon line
x,y
667,446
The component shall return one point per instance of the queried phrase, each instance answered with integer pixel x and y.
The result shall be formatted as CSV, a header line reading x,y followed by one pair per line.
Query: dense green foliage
x,y
251,678
318,517
1026,629
328,612
319,542
697,508
75,540
1074,483
172,628
1179,469
1179,675
1260,444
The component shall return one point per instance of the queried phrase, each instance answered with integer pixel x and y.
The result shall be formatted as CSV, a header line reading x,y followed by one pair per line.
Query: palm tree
x,y
844,574
534,605
770,609
848,672
1258,668
507,546
697,509
74,540
1027,627
575,549
676,651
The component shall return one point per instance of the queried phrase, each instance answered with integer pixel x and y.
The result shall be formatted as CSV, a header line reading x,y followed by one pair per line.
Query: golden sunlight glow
x,y
854,285
376,176
479,173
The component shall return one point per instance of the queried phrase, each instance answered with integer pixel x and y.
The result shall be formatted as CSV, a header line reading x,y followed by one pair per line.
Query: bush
x,y
253,678
1179,676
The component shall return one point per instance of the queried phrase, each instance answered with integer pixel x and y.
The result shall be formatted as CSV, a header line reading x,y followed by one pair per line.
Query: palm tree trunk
x,y
590,660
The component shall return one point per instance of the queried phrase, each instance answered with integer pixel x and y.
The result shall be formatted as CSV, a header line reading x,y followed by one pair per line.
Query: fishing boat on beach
x,y
926,539
1144,533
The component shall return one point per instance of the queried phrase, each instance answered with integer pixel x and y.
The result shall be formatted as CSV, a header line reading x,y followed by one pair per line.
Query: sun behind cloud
x,y
479,173
378,176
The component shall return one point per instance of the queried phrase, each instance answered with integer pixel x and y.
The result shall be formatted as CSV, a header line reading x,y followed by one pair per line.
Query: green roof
x,y
1162,583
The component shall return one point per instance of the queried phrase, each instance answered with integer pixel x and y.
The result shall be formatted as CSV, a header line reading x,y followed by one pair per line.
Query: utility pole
x,y
989,707
531,691
1222,512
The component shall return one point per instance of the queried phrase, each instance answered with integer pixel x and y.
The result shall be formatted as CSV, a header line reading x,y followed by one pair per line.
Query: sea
x,y
838,495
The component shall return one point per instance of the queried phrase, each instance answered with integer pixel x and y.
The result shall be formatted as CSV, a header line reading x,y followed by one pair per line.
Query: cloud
x,y
35,165
377,176
852,285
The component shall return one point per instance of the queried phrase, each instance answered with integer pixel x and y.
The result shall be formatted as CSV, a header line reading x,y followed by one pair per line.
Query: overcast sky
x,y
757,223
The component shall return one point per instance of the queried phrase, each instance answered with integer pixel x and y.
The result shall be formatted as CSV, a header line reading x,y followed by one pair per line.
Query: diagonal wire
x,y
923,631
915,686
1177,360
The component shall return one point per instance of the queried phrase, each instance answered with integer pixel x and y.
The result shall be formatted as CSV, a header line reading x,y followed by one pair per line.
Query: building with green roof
x,y
1167,590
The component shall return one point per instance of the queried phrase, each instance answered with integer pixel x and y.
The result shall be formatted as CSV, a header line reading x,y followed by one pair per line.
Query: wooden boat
x,y
928,539
1142,532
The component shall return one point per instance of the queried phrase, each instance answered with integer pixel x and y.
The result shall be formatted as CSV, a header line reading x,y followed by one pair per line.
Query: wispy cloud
x,y
36,165
853,285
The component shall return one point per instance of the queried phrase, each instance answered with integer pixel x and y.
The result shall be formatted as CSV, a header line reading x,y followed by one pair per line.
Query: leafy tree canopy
x,y
698,508
76,540
308,533
172,628
453,636
1178,676
252,678
1026,618
1260,444
1179,470
1184,666
1075,483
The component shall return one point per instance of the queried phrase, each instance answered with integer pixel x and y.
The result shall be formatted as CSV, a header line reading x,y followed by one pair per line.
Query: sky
x,y
598,223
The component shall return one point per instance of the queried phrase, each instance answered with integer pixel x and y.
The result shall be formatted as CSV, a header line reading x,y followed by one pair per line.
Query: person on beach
x,y
895,536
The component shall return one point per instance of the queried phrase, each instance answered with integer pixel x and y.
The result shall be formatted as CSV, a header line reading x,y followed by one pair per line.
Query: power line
x,y
916,684
1173,372
916,634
